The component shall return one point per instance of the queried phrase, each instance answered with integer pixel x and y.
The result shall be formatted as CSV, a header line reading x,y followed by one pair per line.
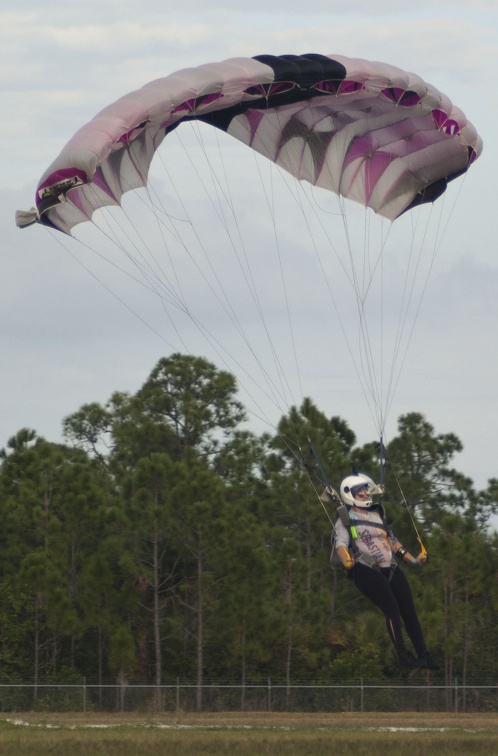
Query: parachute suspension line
x,y
380,383
373,375
419,537
296,423
148,283
57,237
312,207
389,356
298,191
323,478
411,274
271,209
406,330
286,390
215,344
151,280
208,336
218,209
442,201
268,193
227,307
152,277
362,274
147,277
272,167
383,415
378,370
244,268
270,202
382,460
361,284
384,464
291,444
313,478
400,356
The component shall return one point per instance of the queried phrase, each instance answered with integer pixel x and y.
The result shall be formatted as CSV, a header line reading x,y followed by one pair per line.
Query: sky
x,y
71,334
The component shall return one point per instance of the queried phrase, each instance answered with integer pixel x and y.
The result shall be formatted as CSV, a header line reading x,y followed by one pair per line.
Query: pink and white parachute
x,y
367,131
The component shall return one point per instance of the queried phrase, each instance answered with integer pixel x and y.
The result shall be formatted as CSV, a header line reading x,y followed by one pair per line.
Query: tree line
x,y
164,540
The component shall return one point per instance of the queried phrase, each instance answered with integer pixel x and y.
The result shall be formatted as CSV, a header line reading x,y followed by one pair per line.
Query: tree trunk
x,y
200,633
288,661
243,670
157,619
36,671
466,646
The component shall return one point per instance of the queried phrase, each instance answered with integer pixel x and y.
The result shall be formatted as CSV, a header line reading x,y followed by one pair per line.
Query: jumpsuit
x,y
379,579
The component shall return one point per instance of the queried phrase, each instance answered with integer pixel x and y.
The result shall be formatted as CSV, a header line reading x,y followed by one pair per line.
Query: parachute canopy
x,y
367,131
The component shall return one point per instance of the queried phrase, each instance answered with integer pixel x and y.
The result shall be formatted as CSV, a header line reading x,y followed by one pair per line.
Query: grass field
x,y
248,734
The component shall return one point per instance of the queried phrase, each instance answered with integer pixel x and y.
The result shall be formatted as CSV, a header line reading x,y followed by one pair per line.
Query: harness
x,y
350,525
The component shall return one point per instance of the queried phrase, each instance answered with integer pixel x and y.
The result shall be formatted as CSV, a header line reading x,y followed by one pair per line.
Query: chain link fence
x,y
184,697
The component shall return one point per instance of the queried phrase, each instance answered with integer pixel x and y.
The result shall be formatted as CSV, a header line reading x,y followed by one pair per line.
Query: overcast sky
x,y
66,340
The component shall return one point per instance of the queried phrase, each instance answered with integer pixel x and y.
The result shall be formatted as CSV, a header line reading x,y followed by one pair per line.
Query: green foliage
x,y
165,541
122,657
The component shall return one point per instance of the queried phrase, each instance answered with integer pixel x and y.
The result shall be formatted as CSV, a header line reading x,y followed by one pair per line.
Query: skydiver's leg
x,y
404,596
375,586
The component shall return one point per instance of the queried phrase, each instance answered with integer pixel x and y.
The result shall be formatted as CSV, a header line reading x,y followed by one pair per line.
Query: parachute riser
x,y
323,478
383,466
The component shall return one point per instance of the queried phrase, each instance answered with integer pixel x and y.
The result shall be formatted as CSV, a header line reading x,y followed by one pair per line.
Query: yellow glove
x,y
345,557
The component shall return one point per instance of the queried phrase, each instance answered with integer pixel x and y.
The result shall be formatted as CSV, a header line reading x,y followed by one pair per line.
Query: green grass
x,y
254,735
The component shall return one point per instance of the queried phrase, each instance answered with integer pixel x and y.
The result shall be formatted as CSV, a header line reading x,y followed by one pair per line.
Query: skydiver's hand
x,y
377,490
328,495
349,563
347,559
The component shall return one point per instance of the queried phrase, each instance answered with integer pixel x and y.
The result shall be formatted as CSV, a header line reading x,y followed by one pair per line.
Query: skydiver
x,y
371,561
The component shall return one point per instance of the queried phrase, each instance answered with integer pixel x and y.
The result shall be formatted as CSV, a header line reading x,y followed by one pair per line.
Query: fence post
x,y
84,695
269,694
456,695
177,694
361,693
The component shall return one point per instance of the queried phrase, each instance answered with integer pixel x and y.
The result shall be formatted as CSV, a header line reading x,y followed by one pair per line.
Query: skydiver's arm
x,y
403,554
341,538
347,560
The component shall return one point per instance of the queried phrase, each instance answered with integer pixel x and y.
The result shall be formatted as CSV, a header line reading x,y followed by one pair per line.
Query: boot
x,y
407,659
425,661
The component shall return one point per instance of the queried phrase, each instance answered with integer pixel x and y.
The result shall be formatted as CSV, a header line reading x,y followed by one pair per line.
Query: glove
x,y
378,490
329,495
349,563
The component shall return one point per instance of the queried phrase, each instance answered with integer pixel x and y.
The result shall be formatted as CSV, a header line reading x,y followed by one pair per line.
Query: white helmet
x,y
351,485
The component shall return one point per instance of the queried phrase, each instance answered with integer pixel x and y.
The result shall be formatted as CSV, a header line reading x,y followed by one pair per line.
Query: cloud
x,y
67,340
